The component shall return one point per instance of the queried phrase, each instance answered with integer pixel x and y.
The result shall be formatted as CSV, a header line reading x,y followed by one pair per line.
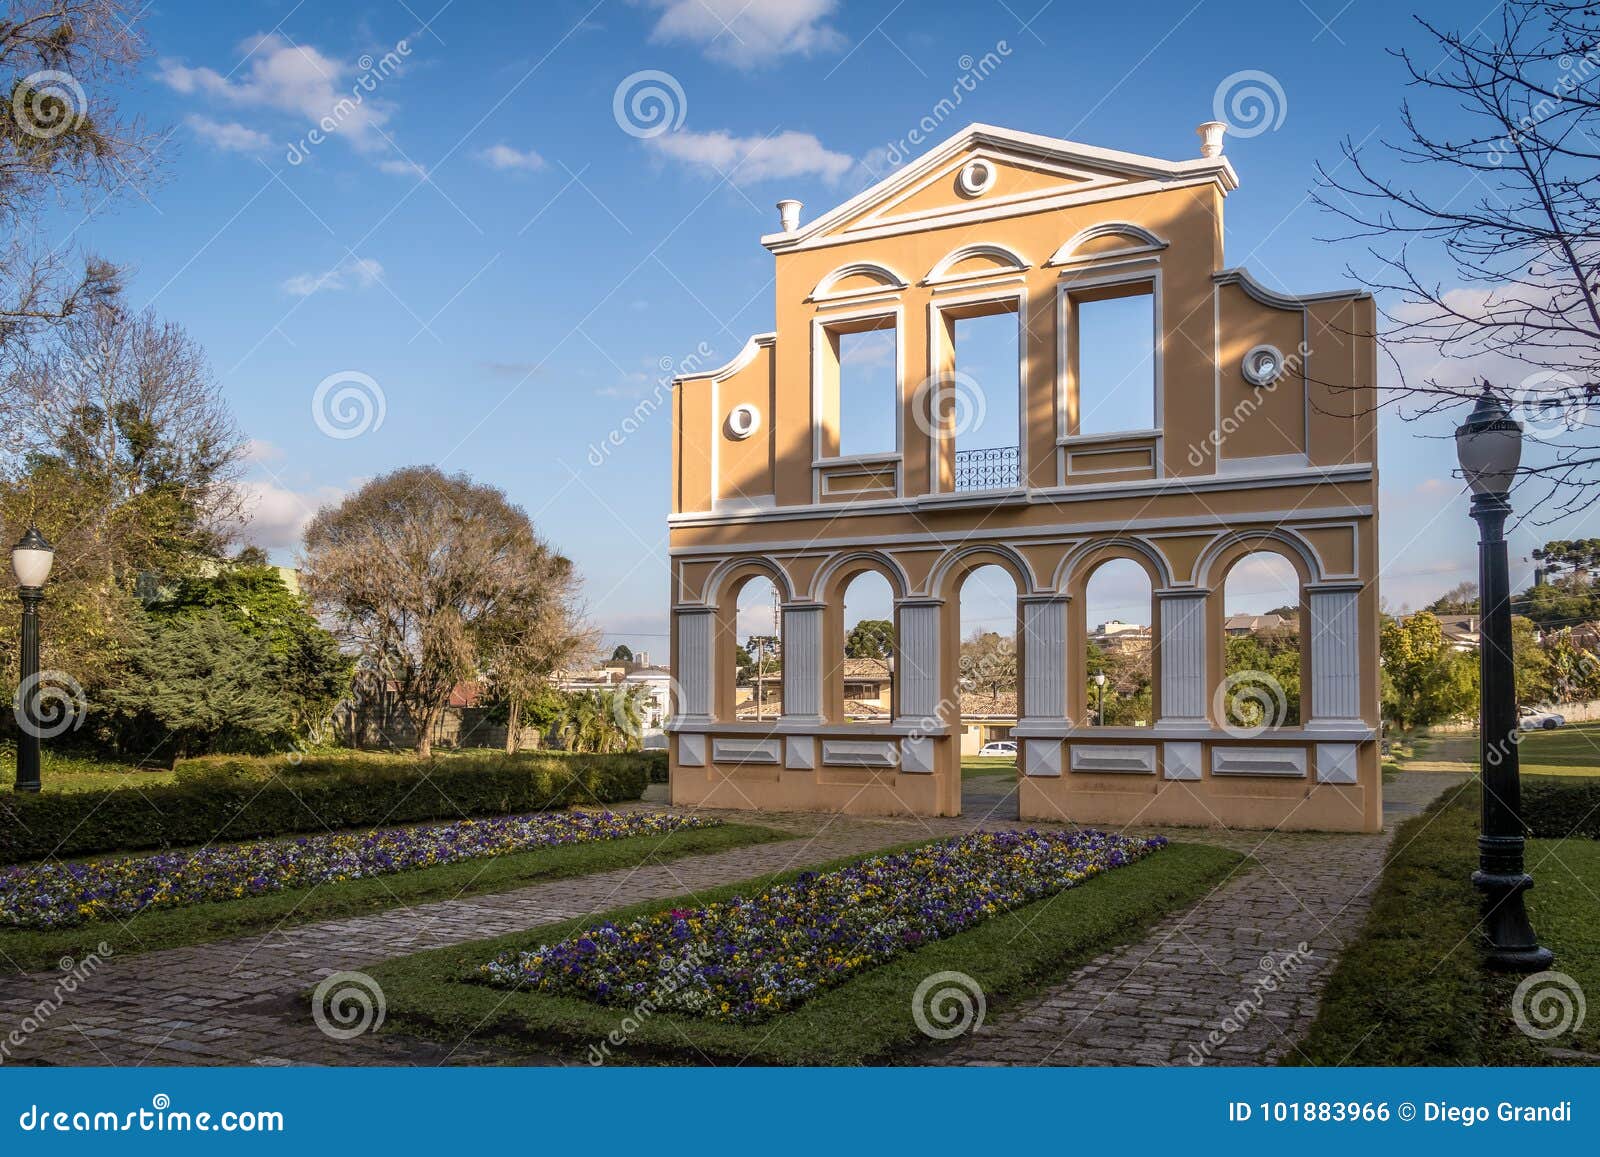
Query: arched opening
x,y
866,650
1263,614
757,646
988,663
1118,660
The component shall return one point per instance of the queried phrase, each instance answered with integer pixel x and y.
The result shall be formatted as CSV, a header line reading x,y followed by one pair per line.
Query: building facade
x,y
1260,436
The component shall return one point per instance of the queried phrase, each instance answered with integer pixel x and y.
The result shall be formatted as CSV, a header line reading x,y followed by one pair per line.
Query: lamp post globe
x,y
1100,698
31,560
1489,449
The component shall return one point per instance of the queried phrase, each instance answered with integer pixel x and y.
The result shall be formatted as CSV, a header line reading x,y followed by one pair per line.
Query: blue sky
x,y
512,269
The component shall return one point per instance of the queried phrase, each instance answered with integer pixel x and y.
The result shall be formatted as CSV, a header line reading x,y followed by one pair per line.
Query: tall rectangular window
x,y
868,407
988,365
1114,333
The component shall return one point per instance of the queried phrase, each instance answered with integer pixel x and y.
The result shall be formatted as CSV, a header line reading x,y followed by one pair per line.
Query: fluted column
x,y
1182,648
918,641
1044,657
696,658
802,662
1335,655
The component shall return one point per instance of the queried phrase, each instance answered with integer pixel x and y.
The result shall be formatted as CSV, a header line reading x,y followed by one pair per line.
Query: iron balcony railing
x,y
990,469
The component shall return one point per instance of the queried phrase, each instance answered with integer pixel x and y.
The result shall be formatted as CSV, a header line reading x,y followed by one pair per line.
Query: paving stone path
x,y
242,1001
1191,990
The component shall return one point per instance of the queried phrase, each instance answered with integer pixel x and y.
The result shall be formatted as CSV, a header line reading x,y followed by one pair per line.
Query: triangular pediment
x,y
983,172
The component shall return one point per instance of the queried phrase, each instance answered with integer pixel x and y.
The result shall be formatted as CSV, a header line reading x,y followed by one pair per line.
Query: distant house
x,y
1460,631
1121,638
1235,625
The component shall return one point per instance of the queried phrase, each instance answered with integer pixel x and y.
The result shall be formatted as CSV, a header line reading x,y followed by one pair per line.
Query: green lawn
x,y
173,927
69,771
866,1019
1571,750
973,766
1411,989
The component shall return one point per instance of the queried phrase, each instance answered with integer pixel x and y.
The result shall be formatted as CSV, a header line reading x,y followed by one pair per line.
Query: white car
x,y
1000,747
1532,719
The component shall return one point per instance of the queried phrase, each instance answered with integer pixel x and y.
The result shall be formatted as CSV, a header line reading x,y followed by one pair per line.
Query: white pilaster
x,y
919,635
1044,656
1335,655
802,662
695,657
1183,656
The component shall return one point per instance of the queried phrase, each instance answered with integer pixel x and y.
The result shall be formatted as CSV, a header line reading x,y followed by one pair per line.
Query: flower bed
x,y
751,957
60,895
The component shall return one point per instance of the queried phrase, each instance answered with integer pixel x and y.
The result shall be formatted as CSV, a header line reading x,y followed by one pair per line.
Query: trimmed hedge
x,y
1558,806
243,797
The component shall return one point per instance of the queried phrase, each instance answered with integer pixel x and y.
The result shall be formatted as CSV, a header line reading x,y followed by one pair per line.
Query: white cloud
x,y
290,78
231,136
506,157
276,516
355,273
747,33
747,159
400,167
260,450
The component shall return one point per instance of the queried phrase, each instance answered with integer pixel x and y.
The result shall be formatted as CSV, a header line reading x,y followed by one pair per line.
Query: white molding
x,y
1041,757
1134,488
1336,763
1007,143
1118,759
1281,762
738,750
876,753
940,273
1019,296
744,357
1067,252
971,183
820,326
891,281
800,753
1292,302
916,754
1066,729
691,750
1181,760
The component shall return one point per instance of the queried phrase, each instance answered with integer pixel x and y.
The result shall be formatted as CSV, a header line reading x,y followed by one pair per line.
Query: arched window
x,y
1261,633
987,665
756,643
1118,659
866,650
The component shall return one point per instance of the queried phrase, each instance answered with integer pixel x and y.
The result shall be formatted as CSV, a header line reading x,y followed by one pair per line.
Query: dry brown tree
x,y
1482,225
436,578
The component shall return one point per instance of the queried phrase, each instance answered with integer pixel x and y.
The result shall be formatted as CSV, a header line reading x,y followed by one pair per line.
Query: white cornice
x,y
1152,172
1290,301
741,359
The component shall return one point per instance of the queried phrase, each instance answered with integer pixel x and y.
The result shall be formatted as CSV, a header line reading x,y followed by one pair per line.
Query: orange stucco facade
x,y
1263,439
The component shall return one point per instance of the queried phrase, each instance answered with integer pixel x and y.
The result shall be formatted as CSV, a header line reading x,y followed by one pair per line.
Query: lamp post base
x,y
1513,946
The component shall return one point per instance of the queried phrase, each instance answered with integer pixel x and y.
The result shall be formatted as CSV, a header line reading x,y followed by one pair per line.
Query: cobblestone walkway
x,y
242,1001
1191,992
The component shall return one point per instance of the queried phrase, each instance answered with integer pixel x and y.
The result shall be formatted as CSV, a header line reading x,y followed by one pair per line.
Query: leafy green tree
x,y
1561,603
304,665
1535,673
870,639
622,654
1424,679
196,683
1271,662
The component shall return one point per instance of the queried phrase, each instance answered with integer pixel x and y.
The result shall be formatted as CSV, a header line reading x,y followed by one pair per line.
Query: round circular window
x,y
743,420
976,177
1263,365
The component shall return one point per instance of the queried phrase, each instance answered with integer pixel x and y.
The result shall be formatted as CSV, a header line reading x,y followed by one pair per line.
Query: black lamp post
x,y
31,560
1100,698
1489,447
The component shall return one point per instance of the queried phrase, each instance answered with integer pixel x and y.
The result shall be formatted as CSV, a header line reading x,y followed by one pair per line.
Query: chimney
x,y
789,215
1210,135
